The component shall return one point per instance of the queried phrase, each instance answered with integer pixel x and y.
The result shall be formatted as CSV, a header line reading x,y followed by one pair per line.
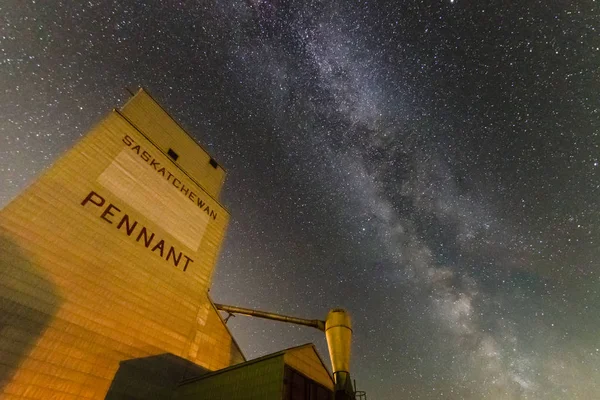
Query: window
x,y
173,155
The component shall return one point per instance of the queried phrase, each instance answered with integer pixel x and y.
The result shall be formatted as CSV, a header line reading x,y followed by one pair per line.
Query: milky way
x,y
433,167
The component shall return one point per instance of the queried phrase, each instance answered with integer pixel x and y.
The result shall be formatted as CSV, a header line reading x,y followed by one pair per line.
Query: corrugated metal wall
x,y
261,380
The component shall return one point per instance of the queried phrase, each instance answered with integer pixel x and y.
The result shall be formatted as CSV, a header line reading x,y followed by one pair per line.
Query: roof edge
x,y
240,365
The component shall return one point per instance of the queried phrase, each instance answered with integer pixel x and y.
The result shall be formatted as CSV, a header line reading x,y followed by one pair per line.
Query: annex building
x,y
105,265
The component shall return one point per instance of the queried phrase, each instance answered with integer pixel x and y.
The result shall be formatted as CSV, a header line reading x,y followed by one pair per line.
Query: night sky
x,y
432,166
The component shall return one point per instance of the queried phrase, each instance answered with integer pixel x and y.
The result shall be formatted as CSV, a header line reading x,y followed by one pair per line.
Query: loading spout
x,y
314,323
338,331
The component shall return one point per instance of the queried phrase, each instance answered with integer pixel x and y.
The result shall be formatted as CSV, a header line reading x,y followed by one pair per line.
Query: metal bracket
x,y
229,315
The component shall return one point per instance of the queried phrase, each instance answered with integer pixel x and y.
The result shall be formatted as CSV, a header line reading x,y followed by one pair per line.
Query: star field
x,y
433,167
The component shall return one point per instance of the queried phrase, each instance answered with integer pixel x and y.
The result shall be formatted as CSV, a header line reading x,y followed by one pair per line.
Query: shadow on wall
x,y
235,356
28,302
153,378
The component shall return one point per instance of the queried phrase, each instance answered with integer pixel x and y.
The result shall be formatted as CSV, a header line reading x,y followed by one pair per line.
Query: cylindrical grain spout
x,y
338,330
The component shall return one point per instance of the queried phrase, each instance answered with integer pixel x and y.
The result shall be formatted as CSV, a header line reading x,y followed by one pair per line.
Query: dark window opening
x,y
299,387
173,155
213,163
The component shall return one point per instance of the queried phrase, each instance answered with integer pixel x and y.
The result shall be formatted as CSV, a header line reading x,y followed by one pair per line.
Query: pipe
x,y
315,323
